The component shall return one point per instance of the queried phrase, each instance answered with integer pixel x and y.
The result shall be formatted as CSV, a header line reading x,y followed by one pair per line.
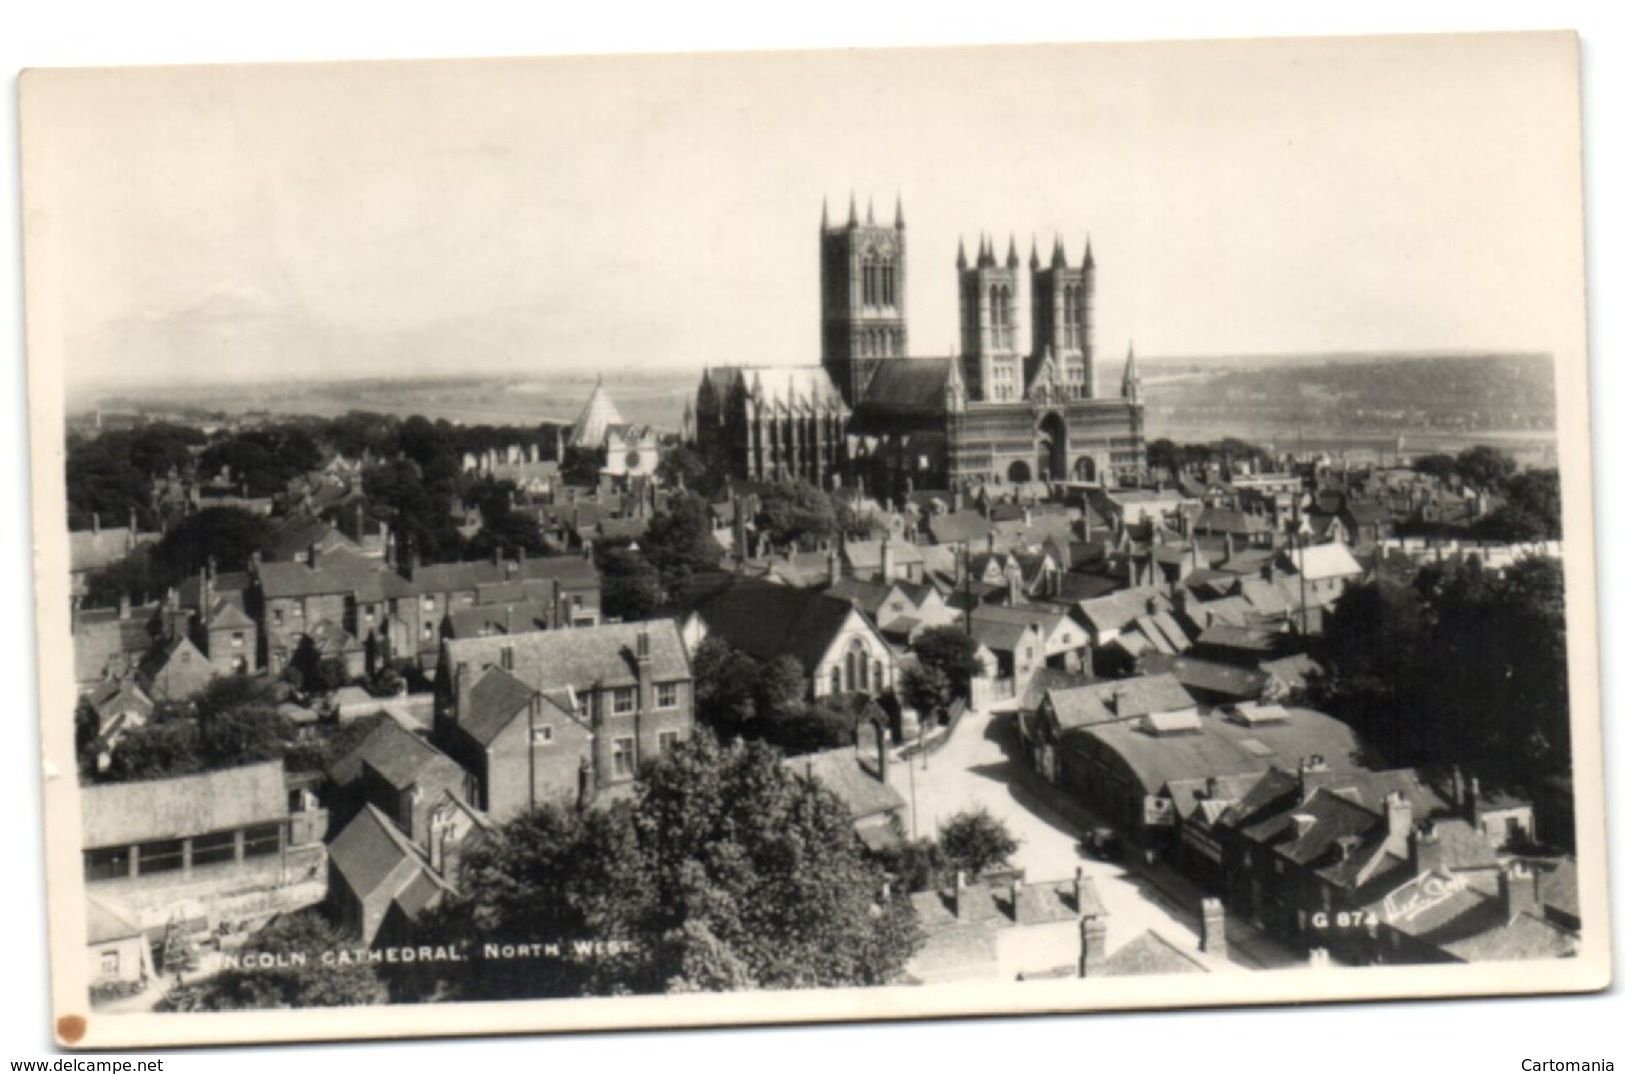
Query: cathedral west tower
x,y
863,281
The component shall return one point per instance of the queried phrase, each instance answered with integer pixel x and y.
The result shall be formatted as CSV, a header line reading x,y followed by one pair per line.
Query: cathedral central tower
x,y
863,281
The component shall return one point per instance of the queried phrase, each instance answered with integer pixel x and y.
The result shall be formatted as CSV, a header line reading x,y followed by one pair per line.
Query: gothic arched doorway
x,y
1084,469
1052,448
1019,471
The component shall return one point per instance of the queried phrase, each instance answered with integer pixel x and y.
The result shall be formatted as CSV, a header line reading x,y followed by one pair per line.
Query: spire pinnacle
x,y
1032,262
869,217
824,223
1089,259
1010,259
897,216
852,209
1057,255
962,261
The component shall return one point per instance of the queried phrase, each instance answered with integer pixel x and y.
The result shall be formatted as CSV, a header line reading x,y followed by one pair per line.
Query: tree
x,y
768,861
683,466
287,982
727,871
792,511
679,544
974,840
630,586
1485,468
724,695
1372,647
927,689
1163,454
226,536
952,652
581,465
1533,510
156,751
1436,465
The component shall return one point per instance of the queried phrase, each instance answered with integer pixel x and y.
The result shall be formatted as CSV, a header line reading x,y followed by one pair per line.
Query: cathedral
x,y
992,414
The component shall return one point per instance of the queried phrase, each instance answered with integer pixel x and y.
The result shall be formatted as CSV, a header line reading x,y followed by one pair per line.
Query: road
x,y
981,765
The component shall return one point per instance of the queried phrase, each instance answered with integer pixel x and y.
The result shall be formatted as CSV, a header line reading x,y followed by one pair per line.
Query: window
x,y
163,856
667,741
276,616
542,736
109,963
428,604
262,839
214,848
666,695
107,863
623,700
624,758
428,632
372,612
237,639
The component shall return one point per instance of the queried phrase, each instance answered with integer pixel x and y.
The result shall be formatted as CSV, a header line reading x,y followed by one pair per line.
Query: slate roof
x,y
866,555
227,614
1118,700
870,596
959,527
492,703
1207,675
911,384
579,657
850,779
486,619
92,550
1473,926
106,922
1117,610
372,854
1321,561
766,621
1222,748
1047,678
118,813
390,750
1148,955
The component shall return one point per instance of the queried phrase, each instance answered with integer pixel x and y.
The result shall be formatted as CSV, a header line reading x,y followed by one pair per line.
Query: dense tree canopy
x,y
952,652
630,586
679,544
286,982
227,536
974,841
728,871
793,511
1463,667
1485,467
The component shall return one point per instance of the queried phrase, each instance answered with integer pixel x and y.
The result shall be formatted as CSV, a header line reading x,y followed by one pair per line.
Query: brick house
x,y
629,685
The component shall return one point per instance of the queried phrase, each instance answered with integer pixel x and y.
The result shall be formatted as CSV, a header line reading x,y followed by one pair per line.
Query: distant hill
x,y
1430,399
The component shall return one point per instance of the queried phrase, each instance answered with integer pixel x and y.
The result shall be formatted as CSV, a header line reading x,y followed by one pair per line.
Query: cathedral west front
x,y
994,413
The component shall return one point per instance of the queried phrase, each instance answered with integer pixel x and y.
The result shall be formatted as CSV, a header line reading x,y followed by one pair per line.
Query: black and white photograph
x,y
712,539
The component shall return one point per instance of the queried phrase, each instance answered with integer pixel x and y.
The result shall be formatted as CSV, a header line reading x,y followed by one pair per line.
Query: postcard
x,y
716,539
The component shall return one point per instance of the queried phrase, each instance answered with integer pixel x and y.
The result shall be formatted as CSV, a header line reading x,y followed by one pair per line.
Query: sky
x,y
662,212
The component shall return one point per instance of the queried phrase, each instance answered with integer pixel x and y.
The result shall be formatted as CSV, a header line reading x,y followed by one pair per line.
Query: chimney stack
x,y
464,686
1213,938
1516,885
1397,811
310,556
834,564
888,560
95,522
1427,852
646,700
959,894
1093,930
